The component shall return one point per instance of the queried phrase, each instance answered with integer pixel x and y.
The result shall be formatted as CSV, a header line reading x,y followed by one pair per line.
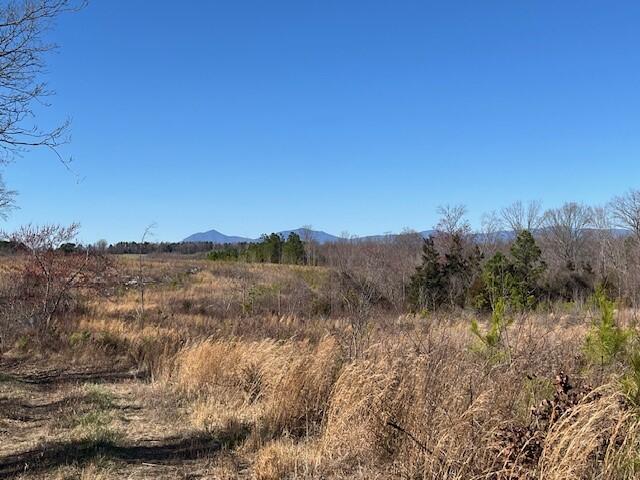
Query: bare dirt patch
x,y
96,423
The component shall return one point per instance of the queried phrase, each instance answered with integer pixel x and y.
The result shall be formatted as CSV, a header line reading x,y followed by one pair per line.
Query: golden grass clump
x,y
299,393
409,410
148,347
227,363
601,434
278,387
284,458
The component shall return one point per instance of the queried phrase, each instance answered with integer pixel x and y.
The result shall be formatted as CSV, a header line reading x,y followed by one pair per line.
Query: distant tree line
x,y
185,248
522,255
561,254
271,248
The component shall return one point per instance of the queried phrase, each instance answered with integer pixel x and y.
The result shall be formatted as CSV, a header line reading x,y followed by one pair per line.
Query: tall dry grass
x,y
418,404
280,388
420,400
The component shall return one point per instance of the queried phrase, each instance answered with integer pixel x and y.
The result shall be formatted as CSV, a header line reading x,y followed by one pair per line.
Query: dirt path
x,y
97,423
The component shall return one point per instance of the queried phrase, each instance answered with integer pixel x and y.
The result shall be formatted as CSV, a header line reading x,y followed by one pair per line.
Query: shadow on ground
x,y
51,377
54,455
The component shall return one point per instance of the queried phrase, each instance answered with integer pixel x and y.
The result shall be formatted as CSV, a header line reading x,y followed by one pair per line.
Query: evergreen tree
x,y
460,268
455,270
497,276
527,267
268,250
514,279
273,248
427,284
293,250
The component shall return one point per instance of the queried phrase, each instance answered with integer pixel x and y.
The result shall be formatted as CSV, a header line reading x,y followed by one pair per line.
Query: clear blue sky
x,y
254,116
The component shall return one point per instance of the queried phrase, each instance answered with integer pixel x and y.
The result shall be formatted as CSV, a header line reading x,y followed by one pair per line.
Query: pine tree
x,y
293,250
427,285
528,267
455,270
515,279
460,268
497,276
273,248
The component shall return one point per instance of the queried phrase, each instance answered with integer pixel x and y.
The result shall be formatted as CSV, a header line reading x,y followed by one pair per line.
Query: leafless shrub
x,y
148,231
47,279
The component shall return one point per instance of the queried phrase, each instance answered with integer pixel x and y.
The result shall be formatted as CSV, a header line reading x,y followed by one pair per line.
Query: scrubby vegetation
x,y
444,357
509,352
243,355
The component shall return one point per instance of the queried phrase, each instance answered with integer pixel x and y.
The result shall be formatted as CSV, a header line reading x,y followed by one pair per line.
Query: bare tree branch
x,y
7,200
452,220
625,210
565,230
23,25
518,216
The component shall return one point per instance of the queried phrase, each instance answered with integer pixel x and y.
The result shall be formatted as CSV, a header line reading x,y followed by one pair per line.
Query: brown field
x,y
265,371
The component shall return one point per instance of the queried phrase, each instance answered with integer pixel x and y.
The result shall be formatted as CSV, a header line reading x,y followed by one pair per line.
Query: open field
x,y
319,240
260,371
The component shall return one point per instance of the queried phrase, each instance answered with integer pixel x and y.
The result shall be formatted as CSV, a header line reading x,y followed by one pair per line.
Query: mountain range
x,y
217,237
321,237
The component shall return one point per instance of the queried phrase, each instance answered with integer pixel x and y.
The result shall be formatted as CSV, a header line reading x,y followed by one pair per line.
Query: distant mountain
x,y
317,235
324,237
390,236
501,236
215,237
427,233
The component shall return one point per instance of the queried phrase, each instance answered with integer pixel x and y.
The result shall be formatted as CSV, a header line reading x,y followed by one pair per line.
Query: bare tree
x,y
7,200
604,242
565,230
452,220
23,47
310,245
490,230
625,213
101,245
359,295
518,216
406,250
625,210
148,232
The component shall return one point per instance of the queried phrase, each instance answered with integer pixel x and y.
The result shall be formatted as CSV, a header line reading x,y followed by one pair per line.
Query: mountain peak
x,y
215,236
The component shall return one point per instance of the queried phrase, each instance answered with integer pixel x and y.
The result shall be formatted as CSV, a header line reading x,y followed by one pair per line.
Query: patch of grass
x,y
99,468
534,391
22,343
110,341
100,397
95,427
315,278
79,338
631,380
